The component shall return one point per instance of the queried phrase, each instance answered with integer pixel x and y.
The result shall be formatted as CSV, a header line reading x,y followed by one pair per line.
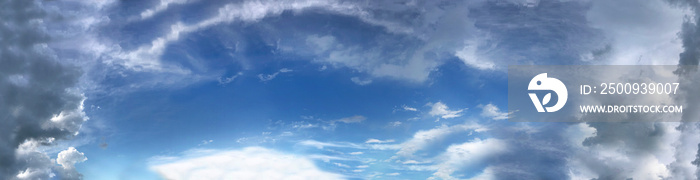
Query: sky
x,y
328,89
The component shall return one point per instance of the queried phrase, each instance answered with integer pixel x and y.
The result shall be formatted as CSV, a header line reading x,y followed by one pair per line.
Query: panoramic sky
x,y
327,89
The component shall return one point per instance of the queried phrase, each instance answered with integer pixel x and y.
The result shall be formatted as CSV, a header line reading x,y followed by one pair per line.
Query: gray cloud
x,y
689,78
39,101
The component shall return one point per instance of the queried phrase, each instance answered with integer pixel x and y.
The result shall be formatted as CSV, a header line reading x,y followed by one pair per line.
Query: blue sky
x,y
266,89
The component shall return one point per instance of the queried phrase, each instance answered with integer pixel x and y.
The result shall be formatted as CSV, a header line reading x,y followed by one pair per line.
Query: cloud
x,y
470,56
441,110
41,102
624,150
353,119
407,108
321,145
147,57
67,159
341,165
468,155
247,163
491,111
162,6
689,31
360,82
425,138
633,37
224,81
267,77
379,141
356,153
205,142
35,164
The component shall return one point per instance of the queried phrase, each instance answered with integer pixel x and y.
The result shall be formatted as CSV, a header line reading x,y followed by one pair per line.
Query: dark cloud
x,y
39,101
687,68
690,35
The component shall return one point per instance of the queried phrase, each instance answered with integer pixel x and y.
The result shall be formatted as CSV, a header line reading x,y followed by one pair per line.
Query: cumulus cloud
x,y
247,163
633,37
39,98
637,150
441,110
67,159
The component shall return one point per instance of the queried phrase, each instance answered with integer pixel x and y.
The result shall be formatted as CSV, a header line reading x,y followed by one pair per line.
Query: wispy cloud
x,y
425,138
493,112
162,6
408,108
352,119
226,80
268,77
441,110
369,141
361,82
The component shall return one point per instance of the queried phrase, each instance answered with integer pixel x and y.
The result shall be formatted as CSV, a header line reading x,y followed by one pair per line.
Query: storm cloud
x,y
39,101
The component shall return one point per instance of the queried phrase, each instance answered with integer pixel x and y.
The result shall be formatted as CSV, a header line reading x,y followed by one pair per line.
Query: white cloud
x,y
425,138
205,142
341,165
441,110
407,108
362,166
147,57
353,119
70,120
36,164
491,111
379,141
67,159
393,174
248,163
267,77
468,155
469,55
356,153
162,6
395,123
361,82
226,80
321,145
411,161
487,174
